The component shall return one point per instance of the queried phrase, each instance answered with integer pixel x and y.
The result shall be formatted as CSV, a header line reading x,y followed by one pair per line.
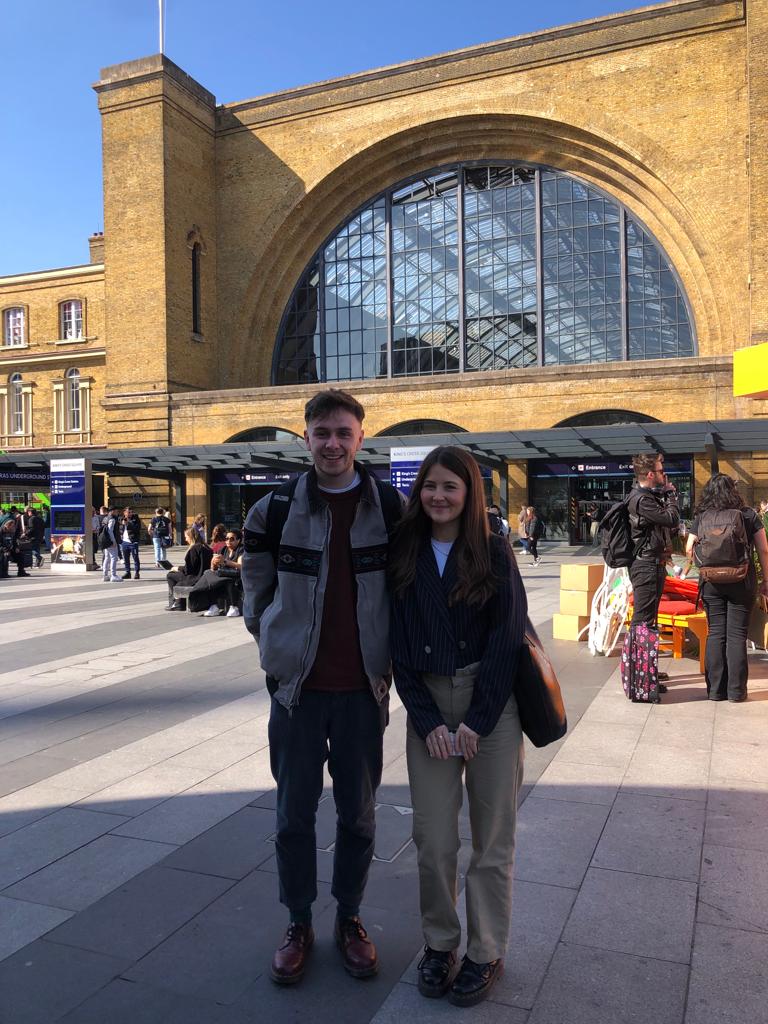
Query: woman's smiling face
x,y
443,496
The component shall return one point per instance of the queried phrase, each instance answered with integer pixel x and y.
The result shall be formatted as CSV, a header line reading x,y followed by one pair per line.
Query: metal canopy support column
x,y
711,445
180,506
504,489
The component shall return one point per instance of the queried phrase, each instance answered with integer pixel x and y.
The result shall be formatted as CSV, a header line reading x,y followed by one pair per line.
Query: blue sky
x,y
50,174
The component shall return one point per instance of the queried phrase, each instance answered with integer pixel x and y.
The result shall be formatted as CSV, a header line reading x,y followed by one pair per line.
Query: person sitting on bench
x,y
220,585
196,560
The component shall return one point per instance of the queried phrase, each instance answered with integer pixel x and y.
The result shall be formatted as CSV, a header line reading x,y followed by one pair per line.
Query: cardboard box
x,y
581,576
576,602
568,627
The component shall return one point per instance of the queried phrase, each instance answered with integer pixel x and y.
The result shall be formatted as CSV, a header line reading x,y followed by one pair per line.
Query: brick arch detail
x,y
625,172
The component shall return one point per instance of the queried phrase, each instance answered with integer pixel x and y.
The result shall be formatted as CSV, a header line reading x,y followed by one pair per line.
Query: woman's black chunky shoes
x,y
474,981
435,971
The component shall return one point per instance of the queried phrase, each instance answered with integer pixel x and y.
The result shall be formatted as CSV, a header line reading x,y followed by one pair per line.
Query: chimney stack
x,y
96,245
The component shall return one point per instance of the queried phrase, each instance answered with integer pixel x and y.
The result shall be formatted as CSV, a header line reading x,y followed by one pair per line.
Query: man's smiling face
x,y
334,440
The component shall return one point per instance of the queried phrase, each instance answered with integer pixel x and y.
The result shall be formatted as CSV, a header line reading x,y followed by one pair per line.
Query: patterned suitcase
x,y
640,664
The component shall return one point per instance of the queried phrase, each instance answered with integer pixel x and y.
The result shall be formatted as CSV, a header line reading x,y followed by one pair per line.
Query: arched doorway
x,y
235,491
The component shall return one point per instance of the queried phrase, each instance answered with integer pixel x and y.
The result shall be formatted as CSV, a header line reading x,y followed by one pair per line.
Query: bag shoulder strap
x,y
277,515
391,505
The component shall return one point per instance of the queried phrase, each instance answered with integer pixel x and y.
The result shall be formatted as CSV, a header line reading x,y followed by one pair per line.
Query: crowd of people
x,y
22,536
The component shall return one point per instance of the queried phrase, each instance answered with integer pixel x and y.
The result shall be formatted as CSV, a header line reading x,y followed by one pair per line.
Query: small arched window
x,y
15,404
71,319
196,321
73,399
14,333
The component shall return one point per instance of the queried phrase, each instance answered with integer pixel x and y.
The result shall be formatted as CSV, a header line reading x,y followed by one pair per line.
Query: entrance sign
x,y
404,465
71,537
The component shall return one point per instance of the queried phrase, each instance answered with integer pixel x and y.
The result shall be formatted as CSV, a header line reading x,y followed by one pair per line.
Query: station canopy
x,y
492,448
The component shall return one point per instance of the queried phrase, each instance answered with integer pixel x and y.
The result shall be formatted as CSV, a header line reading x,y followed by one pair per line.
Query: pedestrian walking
x,y
724,534
130,534
320,612
458,621
33,532
534,530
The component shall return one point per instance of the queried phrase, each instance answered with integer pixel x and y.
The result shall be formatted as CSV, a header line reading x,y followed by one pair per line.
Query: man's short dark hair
x,y
328,401
645,463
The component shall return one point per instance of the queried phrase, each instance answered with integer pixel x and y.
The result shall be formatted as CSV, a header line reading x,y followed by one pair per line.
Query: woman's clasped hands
x,y
465,743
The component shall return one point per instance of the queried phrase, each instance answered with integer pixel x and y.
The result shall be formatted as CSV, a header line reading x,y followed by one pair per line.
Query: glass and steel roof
x,y
489,267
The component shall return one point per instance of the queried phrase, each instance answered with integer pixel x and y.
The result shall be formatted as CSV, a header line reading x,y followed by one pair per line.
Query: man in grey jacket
x,y
319,610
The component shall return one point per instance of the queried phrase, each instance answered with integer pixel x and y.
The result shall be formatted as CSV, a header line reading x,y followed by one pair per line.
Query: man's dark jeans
x,y
728,611
346,730
131,548
647,577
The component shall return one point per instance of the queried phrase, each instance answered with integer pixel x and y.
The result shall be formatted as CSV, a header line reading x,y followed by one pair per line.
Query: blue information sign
x,y
67,483
404,466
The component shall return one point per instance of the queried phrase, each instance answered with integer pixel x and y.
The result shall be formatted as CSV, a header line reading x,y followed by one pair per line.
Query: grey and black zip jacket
x,y
283,605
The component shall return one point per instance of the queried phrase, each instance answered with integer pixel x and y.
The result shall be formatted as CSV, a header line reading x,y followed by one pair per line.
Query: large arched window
x,y
482,268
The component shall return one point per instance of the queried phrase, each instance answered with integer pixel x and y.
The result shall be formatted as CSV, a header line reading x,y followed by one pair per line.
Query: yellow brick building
x,y
225,227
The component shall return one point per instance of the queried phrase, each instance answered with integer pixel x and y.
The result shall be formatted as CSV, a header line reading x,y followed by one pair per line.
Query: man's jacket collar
x,y
317,499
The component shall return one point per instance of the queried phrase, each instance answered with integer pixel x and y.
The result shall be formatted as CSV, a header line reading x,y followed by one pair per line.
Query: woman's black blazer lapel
x,y
432,590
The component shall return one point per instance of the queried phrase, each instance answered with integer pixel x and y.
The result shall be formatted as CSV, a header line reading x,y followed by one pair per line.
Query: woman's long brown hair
x,y
476,583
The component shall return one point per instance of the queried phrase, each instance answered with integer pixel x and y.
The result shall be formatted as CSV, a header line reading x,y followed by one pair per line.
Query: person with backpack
x,y
652,515
315,598
160,532
108,544
721,541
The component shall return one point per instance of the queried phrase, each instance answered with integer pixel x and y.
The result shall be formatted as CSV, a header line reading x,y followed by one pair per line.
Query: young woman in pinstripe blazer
x,y
458,621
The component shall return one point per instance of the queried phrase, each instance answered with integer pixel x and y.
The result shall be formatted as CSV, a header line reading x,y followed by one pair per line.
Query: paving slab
x,y
663,770
43,981
734,888
579,783
128,1002
136,794
539,914
737,817
24,922
140,914
596,986
81,878
729,983
231,849
638,914
405,1003
591,743
39,844
556,840
219,952
652,835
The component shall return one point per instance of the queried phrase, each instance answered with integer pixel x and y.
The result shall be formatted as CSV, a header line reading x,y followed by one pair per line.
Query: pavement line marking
x,y
49,682
33,629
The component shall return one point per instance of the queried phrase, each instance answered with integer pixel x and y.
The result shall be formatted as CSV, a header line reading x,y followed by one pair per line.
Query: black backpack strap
x,y
277,515
391,504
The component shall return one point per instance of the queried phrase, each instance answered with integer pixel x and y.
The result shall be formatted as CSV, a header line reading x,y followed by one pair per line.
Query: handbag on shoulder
x,y
537,691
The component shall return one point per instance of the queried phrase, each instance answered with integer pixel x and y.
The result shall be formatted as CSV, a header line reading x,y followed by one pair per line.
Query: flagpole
x,y
161,12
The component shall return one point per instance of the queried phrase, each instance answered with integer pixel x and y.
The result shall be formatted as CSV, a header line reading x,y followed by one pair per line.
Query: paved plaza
x,y
137,870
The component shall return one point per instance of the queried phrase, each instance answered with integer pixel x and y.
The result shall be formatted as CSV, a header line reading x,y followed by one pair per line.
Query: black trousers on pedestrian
x,y
647,578
346,730
728,610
